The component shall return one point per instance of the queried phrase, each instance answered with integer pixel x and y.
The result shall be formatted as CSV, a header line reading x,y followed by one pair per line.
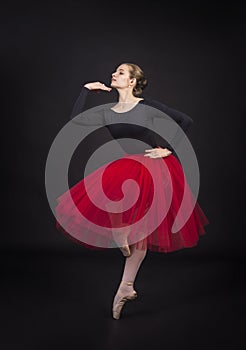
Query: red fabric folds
x,y
153,198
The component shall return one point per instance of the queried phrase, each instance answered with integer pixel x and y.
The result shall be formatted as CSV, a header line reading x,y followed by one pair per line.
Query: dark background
x,y
58,294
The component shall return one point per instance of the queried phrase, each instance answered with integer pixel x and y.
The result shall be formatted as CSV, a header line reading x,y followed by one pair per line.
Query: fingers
x,y
104,87
97,86
153,151
157,153
151,154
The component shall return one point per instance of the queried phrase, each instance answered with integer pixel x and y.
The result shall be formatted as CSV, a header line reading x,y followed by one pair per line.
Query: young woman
x,y
140,165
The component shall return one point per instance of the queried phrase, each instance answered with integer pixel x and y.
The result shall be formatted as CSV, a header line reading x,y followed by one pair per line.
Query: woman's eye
x,y
121,73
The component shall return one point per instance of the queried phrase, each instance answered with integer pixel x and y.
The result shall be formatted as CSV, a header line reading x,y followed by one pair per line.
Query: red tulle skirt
x,y
134,199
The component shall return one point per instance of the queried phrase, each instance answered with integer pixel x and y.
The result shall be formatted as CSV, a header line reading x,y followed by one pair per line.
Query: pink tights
x,y
131,268
132,264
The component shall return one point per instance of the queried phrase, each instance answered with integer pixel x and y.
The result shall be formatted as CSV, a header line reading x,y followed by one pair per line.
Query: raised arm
x,y
80,115
79,105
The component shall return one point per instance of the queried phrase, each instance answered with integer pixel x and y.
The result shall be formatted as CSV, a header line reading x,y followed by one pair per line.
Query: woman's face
x,y
121,77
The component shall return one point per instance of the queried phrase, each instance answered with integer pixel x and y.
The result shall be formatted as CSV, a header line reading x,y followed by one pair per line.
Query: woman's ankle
x,y
127,282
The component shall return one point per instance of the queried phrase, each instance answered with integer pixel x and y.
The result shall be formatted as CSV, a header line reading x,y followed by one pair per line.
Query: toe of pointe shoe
x,y
116,311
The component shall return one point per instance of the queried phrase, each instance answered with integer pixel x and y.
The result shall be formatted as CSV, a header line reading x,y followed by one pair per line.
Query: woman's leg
x,y
120,238
133,263
131,268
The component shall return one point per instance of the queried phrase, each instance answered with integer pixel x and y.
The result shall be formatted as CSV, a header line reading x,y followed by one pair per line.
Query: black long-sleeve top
x,y
119,128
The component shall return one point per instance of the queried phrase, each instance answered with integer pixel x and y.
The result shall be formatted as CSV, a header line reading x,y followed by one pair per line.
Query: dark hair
x,y
137,73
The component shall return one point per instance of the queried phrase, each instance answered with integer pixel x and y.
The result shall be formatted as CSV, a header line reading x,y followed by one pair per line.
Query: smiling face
x,y
121,78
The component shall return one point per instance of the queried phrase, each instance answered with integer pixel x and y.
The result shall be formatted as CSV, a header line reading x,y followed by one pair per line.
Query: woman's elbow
x,y
190,121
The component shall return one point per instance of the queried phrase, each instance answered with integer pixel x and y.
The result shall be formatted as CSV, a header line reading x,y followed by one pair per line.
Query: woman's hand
x,y
157,152
97,86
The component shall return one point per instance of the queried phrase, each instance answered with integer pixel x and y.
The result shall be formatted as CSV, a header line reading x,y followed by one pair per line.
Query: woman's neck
x,y
126,96
126,101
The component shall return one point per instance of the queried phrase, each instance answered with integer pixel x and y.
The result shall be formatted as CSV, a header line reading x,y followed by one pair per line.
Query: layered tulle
x,y
134,199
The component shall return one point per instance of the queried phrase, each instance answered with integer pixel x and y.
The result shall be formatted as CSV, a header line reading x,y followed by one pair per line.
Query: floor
x,y
62,300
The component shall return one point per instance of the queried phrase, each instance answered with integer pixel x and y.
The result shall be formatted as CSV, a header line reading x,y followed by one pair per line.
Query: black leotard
x,y
119,128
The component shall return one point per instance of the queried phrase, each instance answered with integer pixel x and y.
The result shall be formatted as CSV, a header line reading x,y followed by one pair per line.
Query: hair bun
x,y
137,73
141,84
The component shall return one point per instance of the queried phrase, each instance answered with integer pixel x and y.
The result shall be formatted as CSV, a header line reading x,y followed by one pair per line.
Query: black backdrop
x,y
193,54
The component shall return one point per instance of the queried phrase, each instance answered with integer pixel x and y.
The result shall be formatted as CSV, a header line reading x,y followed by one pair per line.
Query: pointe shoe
x,y
116,310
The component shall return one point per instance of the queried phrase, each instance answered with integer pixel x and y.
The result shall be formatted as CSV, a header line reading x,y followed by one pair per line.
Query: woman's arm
x,y
182,119
79,105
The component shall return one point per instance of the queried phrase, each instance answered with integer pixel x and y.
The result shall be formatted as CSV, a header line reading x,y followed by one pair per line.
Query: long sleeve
x,y
80,102
81,116
182,119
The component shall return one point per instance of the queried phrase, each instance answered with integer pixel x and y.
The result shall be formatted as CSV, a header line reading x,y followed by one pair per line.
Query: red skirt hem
x,y
168,174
